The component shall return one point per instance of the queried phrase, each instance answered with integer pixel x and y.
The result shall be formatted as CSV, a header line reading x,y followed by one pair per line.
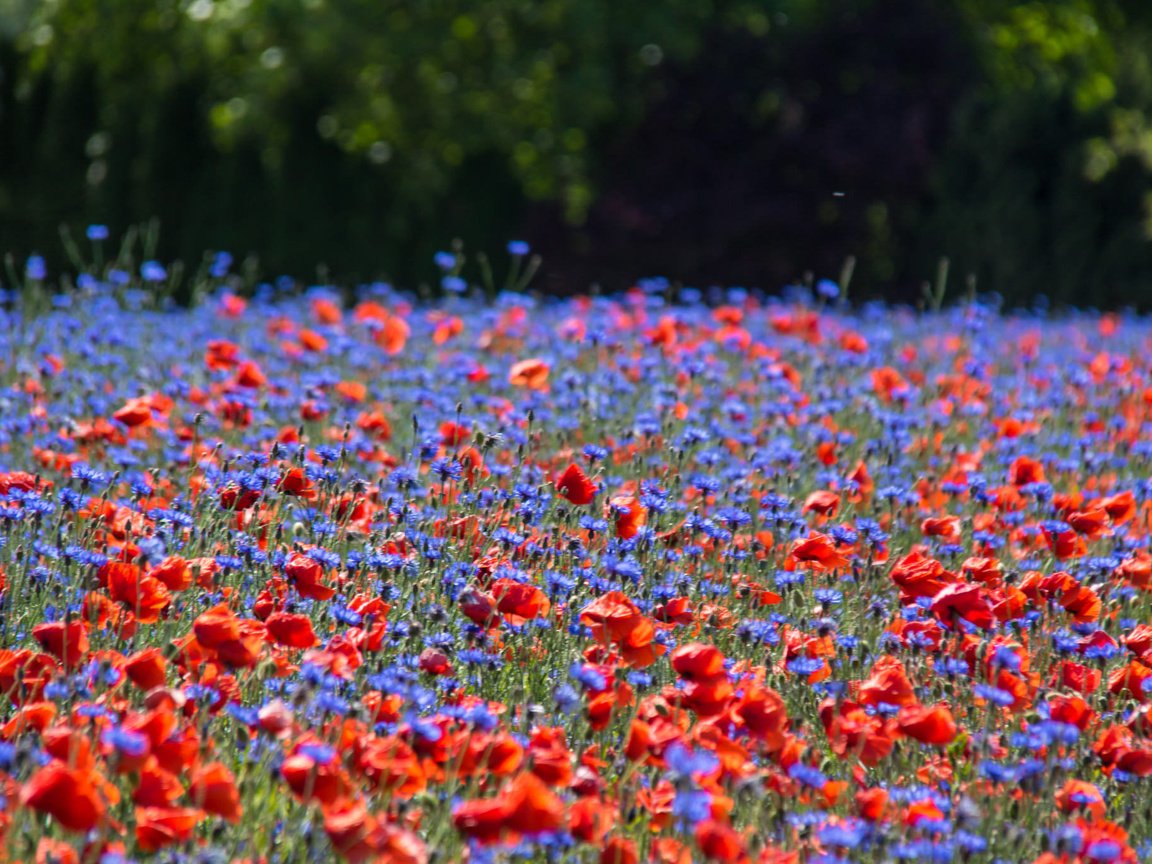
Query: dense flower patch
x,y
608,580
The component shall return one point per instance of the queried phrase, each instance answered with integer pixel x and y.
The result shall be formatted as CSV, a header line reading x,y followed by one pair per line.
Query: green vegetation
x,y
363,132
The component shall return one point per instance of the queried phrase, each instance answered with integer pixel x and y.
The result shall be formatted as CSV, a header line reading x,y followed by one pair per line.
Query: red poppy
x,y
237,641
1076,676
174,572
434,662
146,668
854,733
525,806
157,827
213,789
249,375
718,841
32,716
156,786
1084,603
392,766
310,780
1025,470
531,374
67,642
67,795
628,514
1081,796
969,602
612,616
296,483
134,413
574,485
1066,544
550,758
49,851
920,576
533,807
887,383
818,551
141,593
291,630
1093,523
616,620
871,803
697,662
824,502
947,528
350,828
233,497
927,724
888,684
393,335
306,574
764,715
519,600
1120,508
618,850
477,606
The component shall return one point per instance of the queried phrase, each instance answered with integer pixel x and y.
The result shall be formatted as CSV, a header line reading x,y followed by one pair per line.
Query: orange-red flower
x,y
213,789
66,641
888,684
927,724
1080,796
525,806
157,827
520,601
307,575
574,485
141,593
291,630
69,796
617,621
146,668
818,551
629,515
969,602
531,374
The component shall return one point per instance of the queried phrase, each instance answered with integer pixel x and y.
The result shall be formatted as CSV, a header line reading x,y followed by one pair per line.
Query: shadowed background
x,y
708,141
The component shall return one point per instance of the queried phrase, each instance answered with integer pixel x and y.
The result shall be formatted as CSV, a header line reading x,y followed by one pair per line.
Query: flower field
x,y
665,576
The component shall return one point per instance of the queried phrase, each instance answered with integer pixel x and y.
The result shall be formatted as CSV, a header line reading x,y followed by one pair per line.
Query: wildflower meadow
x,y
300,574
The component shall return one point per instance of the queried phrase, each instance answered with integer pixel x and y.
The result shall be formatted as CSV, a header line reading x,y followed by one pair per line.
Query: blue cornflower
x,y
447,469
828,596
805,665
994,694
221,264
846,835
125,741
827,289
321,754
594,452
35,269
453,284
566,698
589,677
733,517
1006,658
684,762
807,775
153,271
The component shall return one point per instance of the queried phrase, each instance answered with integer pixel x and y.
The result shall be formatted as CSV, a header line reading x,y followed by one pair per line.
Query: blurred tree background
x,y
732,141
